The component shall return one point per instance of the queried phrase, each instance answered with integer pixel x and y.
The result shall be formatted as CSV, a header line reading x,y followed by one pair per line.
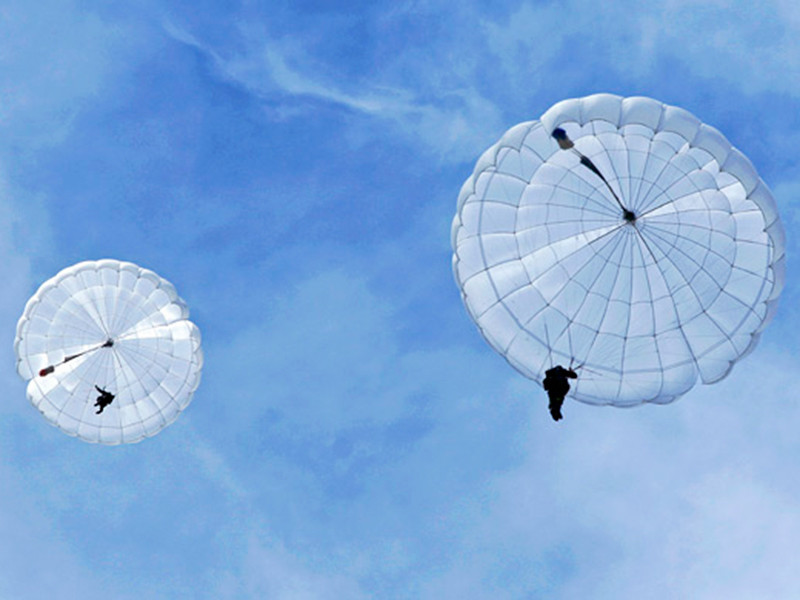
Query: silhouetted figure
x,y
556,384
105,398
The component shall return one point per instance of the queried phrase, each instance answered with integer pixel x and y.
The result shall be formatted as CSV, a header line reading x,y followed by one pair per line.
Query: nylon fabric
x,y
153,366
552,273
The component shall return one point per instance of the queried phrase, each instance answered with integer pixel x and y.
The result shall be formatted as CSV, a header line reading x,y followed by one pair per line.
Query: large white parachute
x,y
115,328
624,235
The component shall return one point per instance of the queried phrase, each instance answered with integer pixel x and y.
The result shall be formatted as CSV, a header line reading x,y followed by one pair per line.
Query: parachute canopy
x,y
109,352
623,235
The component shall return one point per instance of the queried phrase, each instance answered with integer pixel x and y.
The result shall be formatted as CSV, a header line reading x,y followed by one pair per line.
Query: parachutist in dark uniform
x,y
104,399
556,384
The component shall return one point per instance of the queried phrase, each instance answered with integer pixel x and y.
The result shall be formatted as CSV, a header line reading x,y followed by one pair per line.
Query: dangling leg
x,y
556,401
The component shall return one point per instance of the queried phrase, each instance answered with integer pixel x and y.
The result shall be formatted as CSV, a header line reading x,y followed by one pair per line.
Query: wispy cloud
x,y
746,47
447,122
645,503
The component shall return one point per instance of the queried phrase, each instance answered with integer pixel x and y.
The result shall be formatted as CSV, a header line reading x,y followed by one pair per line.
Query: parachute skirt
x,y
116,326
674,288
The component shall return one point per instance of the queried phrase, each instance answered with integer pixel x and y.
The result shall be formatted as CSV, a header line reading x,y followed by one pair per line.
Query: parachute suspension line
x,y
588,370
582,367
549,345
567,144
646,245
47,370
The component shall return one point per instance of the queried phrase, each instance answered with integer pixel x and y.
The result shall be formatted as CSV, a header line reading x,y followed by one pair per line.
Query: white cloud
x,y
446,119
275,572
750,47
694,499
454,98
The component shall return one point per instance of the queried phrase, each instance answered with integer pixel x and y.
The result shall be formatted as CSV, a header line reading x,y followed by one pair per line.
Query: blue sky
x,y
293,168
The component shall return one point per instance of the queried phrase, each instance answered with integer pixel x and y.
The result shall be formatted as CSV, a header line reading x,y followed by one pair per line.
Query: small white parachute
x,y
622,235
108,351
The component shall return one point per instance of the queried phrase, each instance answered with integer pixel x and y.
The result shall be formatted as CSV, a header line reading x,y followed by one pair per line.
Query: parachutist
x,y
556,384
104,399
